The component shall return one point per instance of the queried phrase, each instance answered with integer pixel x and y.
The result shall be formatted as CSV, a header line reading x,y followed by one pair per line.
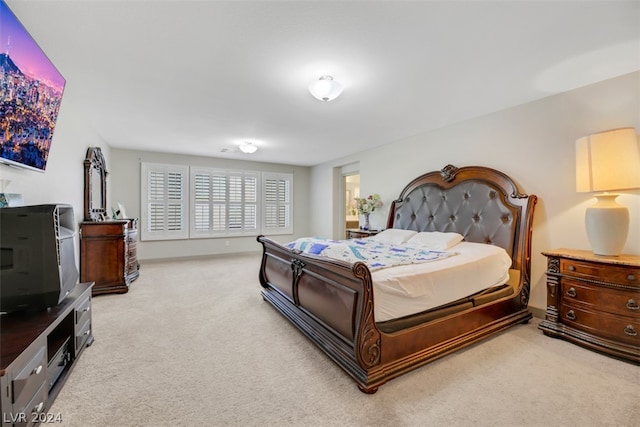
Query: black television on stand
x,y
37,256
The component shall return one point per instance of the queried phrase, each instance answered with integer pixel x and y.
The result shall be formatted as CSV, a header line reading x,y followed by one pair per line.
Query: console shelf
x,y
38,352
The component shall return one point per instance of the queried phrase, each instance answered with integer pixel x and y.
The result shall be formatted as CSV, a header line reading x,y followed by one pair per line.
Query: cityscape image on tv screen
x,y
30,93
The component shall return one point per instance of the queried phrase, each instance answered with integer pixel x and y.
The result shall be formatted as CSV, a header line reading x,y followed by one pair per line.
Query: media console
x,y
37,353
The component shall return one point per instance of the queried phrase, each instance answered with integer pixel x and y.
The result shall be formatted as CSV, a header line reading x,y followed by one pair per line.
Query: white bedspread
x,y
409,289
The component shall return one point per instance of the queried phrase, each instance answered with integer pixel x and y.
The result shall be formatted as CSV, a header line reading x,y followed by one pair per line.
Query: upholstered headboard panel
x,y
482,204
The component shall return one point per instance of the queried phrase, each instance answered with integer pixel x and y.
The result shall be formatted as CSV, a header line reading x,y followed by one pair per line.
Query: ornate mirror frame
x,y
95,185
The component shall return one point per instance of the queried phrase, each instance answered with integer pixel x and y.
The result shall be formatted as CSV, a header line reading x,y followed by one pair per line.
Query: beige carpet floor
x,y
194,344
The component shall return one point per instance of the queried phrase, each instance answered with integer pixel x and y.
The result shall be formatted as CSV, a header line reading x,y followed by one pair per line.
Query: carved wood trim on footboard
x,y
330,301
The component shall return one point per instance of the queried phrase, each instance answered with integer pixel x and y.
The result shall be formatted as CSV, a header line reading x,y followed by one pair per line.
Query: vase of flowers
x,y
367,205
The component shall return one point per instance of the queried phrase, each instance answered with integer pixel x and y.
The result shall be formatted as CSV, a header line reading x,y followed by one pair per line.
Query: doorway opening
x,y
351,185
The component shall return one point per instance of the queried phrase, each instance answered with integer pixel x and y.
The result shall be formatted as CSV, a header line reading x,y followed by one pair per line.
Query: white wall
x,y
63,179
123,185
533,143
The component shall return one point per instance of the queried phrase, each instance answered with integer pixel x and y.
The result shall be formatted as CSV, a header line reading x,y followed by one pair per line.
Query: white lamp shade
x,y
325,88
608,161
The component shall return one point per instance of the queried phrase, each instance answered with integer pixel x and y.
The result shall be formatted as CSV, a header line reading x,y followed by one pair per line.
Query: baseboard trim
x,y
538,313
200,257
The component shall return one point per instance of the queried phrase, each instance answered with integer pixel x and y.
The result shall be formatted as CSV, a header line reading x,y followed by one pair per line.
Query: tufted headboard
x,y
482,204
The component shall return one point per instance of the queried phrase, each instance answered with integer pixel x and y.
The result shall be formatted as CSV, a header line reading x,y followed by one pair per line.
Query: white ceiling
x,y
199,77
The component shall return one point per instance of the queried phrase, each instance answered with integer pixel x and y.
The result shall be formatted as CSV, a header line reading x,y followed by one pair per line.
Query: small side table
x,y
594,301
357,233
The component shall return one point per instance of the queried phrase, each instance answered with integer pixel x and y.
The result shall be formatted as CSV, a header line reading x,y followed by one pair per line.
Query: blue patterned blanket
x,y
375,255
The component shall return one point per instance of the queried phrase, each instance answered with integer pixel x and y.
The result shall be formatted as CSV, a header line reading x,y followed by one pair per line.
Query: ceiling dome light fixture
x,y
248,148
325,88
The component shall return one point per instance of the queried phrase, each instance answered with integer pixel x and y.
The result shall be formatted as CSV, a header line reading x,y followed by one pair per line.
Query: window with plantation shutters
x,y
188,202
277,203
224,203
165,195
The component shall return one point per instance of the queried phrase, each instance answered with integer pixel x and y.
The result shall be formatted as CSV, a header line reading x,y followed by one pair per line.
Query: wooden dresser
x,y
108,255
594,301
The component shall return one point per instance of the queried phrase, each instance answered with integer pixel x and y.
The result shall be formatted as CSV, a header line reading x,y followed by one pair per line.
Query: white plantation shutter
x,y
164,201
224,203
201,202
278,204
251,203
219,203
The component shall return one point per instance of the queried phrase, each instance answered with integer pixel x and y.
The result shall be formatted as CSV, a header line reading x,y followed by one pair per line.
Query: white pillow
x,y
435,240
394,236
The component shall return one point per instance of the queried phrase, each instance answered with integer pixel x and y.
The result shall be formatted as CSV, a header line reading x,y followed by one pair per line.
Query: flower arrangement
x,y
368,204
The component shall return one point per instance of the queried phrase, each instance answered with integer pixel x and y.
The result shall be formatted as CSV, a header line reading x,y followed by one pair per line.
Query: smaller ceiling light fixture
x,y
325,89
248,148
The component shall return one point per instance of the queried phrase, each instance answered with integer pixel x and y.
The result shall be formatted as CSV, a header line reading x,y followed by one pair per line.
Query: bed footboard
x,y
330,301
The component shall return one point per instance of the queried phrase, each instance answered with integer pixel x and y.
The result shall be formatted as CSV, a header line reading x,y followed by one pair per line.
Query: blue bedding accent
x,y
376,255
317,248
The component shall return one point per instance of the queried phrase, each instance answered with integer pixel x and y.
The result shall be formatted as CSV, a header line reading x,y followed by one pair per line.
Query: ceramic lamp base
x,y
607,225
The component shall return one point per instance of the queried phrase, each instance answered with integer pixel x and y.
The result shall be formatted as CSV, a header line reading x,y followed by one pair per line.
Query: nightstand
x,y
594,301
357,233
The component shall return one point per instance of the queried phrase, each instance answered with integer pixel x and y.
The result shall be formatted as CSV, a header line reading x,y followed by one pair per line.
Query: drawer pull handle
x,y
38,407
631,277
633,305
87,333
572,268
571,292
631,331
37,370
86,309
571,315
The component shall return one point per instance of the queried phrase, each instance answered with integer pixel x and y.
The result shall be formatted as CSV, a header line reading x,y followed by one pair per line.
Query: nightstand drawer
x,y
609,273
612,301
617,328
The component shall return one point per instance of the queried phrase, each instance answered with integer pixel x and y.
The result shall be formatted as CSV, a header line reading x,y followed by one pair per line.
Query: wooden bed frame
x,y
332,301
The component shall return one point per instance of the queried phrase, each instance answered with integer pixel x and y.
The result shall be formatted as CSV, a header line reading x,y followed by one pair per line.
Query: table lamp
x,y
607,161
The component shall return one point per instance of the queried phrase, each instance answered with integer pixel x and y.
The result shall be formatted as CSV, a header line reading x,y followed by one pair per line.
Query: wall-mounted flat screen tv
x,y
30,94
